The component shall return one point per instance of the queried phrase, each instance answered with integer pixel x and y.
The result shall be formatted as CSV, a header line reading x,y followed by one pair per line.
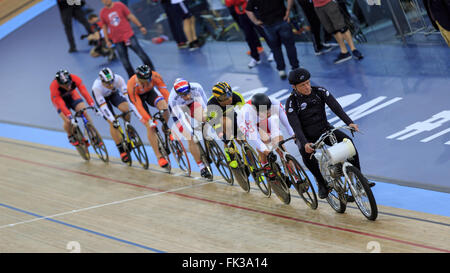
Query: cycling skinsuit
x,y
141,95
214,106
250,124
63,99
179,106
104,97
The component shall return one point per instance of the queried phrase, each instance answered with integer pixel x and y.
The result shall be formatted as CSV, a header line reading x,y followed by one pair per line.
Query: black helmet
x,y
144,72
63,77
298,75
261,100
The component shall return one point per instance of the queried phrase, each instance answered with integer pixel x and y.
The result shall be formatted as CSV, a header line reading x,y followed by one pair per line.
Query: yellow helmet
x,y
222,90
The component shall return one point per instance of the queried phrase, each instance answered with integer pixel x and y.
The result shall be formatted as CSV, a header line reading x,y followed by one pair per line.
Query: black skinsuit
x,y
307,117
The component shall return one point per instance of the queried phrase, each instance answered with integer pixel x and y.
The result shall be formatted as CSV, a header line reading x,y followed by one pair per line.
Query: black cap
x,y
298,75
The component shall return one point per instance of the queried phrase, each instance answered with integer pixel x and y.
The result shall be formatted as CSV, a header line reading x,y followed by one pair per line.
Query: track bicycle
x,y
95,138
248,164
297,176
171,144
342,176
131,141
211,152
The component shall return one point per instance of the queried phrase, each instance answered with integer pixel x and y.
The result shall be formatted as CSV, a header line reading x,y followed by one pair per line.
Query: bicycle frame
x,y
80,114
124,133
324,159
164,142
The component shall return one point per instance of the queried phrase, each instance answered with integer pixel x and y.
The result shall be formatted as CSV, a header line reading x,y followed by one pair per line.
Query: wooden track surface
x,y
11,8
50,197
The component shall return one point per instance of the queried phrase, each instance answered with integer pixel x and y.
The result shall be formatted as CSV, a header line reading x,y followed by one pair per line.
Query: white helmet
x,y
106,75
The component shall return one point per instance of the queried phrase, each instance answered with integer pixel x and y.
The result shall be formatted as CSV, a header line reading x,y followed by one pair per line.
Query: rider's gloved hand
x,y
116,124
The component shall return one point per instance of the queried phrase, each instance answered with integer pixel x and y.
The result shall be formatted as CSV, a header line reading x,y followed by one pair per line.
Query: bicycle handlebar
x,y
285,140
329,132
80,112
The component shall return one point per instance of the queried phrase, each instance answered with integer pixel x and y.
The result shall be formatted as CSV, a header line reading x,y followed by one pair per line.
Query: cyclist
x,y
259,120
146,87
111,89
306,114
64,97
189,97
221,108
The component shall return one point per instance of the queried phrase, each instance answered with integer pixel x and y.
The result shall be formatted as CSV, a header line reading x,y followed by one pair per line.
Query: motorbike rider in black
x,y
305,109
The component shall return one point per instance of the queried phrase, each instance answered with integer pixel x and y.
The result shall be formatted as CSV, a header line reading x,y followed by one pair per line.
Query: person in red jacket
x,y
64,97
248,28
116,18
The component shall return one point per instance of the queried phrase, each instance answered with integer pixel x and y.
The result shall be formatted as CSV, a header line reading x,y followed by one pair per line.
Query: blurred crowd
x,y
329,24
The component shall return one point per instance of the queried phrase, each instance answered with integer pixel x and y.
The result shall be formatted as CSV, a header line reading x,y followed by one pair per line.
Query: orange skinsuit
x,y
135,89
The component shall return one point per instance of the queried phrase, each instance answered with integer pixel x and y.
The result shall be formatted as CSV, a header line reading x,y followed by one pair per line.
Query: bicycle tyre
x,y
254,167
370,210
163,151
180,155
81,147
205,161
97,142
335,202
240,174
137,146
304,188
219,159
279,186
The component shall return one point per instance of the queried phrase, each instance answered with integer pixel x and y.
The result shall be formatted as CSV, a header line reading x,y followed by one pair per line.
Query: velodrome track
x,y
51,200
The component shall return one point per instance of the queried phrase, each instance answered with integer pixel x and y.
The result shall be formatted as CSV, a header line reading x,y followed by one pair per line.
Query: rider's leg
x,y
162,105
123,107
153,139
193,147
66,124
313,165
80,106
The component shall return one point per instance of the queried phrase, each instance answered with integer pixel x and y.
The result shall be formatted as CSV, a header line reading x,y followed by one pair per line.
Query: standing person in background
x,y
182,10
115,16
274,17
251,37
314,22
175,24
333,21
67,12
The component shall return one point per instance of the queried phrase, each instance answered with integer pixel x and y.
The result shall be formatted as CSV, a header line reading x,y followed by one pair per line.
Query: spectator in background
x,y
248,28
439,13
67,13
333,21
97,39
182,10
175,24
274,17
314,22
115,16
